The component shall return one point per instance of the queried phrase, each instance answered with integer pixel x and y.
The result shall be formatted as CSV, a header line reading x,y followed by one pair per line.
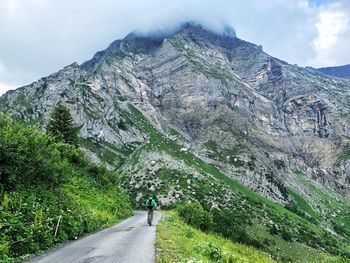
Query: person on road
x,y
150,204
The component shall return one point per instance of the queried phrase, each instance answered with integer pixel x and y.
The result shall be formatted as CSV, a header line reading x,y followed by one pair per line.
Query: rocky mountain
x,y
340,71
256,117
181,113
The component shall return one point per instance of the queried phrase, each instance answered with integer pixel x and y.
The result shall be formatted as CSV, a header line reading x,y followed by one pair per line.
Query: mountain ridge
x,y
199,116
155,39
233,56
336,71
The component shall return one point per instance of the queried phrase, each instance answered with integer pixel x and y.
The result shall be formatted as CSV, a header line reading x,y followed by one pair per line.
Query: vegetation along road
x,y
130,241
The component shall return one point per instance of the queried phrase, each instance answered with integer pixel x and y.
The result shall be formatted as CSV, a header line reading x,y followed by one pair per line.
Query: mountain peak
x,y
151,40
224,30
192,27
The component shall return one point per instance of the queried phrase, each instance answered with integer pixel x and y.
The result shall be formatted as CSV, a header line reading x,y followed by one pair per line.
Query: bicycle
x,y
150,216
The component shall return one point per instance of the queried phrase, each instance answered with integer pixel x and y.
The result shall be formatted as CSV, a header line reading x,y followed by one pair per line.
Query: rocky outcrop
x,y
256,117
340,71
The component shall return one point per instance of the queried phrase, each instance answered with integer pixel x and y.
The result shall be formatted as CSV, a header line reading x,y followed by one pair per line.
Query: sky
x,y
39,37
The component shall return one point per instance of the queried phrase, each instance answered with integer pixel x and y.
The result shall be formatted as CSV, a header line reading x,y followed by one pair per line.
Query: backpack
x,y
149,204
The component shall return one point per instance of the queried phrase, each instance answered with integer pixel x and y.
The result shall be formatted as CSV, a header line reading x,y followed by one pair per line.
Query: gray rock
x,y
267,118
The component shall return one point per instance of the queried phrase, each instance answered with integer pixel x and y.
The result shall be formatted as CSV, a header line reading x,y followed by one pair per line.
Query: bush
x,y
213,252
102,175
286,234
28,156
194,215
42,180
231,225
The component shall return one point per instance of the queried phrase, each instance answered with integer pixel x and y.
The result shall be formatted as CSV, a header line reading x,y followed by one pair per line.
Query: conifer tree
x,y
61,125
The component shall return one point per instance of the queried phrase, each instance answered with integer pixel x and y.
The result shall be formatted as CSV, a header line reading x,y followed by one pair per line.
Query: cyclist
x,y
150,204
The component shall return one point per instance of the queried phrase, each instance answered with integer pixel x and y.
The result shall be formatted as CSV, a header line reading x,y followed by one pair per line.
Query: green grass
x,y
108,204
289,251
29,218
107,152
91,114
96,96
226,155
179,242
336,209
42,180
178,135
344,156
160,143
302,208
292,227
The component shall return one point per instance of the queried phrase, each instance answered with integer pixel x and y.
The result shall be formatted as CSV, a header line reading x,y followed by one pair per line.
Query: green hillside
x,y
204,122
298,233
34,166
179,242
43,182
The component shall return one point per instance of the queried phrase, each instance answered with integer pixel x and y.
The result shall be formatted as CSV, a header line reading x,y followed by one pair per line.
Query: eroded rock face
x,y
257,118
93,107
340,71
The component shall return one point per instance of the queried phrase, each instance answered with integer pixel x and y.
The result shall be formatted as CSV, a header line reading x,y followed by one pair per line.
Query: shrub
x,y
194,215
213,252
42,180
286,234
231,225
28,156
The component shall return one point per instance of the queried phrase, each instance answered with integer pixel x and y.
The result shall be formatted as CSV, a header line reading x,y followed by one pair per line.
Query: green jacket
x,y
153,203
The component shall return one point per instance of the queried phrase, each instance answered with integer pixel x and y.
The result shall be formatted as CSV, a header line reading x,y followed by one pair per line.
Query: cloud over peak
x,y
41,36
333,28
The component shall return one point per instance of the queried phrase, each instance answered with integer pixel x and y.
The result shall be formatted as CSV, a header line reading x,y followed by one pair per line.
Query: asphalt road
x,y
131,241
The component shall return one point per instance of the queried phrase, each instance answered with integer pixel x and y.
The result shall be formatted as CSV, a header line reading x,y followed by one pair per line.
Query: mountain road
x,y
131,241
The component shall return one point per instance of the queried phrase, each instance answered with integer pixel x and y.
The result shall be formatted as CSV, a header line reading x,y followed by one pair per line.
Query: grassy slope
x,y
179,242
334,209
43,180
107,152
294,233
29,219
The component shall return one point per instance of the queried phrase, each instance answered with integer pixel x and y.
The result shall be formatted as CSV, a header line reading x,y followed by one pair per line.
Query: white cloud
x,y
2,68
38,37
10,80
6,87
330,26
333,28
12,5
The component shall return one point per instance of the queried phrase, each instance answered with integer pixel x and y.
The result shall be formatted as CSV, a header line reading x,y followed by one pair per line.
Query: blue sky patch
x,y
319,2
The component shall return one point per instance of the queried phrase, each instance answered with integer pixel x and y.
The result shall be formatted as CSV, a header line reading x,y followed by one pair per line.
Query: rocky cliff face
x,y
255,117
340,71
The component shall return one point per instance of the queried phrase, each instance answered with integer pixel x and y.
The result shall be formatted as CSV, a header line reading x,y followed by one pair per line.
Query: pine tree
x,y
61,125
